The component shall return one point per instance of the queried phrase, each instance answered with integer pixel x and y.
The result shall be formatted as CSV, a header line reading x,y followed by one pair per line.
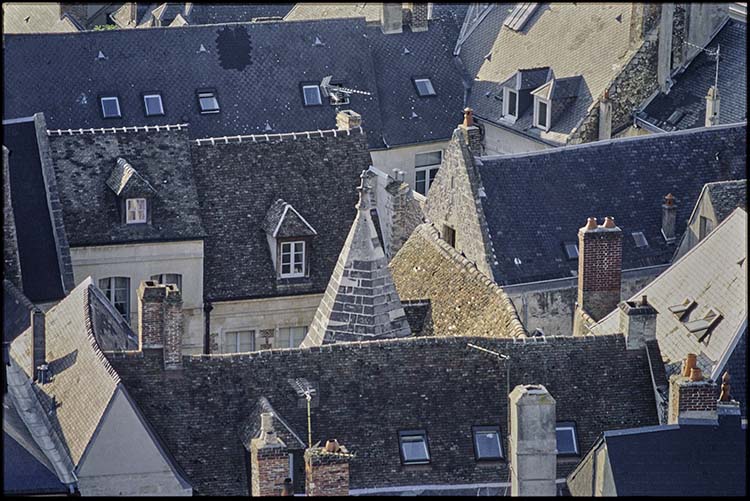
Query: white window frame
x,y
567,426
146,97
408,435
537,124
236,347
205,95
487,429
161,278
117,103
290,343
136,211
574,246
430,87
109,288
292,261
506,105
430,172
304,95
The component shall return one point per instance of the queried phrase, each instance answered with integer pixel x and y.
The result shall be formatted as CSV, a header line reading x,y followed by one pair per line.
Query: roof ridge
x,y
280,136
102,130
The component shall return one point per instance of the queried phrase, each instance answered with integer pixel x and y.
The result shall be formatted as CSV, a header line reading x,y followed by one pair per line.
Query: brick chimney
x,y
151,297
391,18
638,323
471,133
599,268
38,347
173,328
419,16
348,119
712,106
269,460
327,470
691,396
669,219
532,442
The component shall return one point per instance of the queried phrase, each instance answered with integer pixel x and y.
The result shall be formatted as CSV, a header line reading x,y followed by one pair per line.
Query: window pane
x,y
153,105
282,339
247,341
542,115
104,285
565,441
298,335
230,342
429,158
421,184
433,173
208,101
488,444
414,448
512,96
424,87
285,268
298,246
110,107
312,94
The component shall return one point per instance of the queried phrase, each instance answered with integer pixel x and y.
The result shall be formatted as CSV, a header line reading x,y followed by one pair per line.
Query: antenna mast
x,y
337,92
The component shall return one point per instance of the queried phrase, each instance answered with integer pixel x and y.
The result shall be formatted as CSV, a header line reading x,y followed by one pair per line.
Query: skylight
x,y
701,327
571,250
208,102
487,444
153,105
110,107
567,442
521,13
640,239
680,310
414,448
424,87
311,95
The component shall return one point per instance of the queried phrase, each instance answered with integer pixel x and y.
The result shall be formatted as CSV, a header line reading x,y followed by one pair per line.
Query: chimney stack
x,y
348,119
712,106
727,408
599,270
173,328
38,347
472,134
419,16
664,54
638,323
391,18
691,396
327,470
669,219
269,460
151,297
605,117
532,442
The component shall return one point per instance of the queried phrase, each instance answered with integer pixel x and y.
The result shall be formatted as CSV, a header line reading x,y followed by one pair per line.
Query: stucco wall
x,y
498,141
123,460
403,158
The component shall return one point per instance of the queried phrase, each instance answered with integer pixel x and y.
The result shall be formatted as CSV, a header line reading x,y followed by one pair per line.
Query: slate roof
x,y
36,17
369,391
727,196
687,97
37,247
124,174
371,11
17,311
589,40
623,178
85,162
283,220
714,275
256,69
238,183
204,13
463,301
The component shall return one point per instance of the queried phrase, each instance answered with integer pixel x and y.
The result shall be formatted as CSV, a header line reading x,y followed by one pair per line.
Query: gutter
x,y
207,307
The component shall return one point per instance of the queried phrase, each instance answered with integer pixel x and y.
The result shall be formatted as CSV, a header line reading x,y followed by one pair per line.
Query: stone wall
x,y
407,214
12,262
679,34
326,474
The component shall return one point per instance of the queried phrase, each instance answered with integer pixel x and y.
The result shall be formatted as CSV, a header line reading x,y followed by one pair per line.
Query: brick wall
x,y
12,262
173,328
270,466
691,399
599,271
418,18
151,314
326,474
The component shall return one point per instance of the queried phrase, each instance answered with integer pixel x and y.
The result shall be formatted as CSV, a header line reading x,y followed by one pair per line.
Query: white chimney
x,y
712,106
391,18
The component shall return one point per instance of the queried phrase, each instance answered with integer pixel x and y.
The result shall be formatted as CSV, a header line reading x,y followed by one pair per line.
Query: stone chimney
x,y
638,323
391,18
532,442
38,346
605,117
151,297
712,106
669,219
691,396
269,460
664,58
419,16
348,119
173,328
471,133
327,470
599,268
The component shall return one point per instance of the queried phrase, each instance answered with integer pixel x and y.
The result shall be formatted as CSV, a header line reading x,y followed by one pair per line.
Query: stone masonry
x,y
151,314
173,328
12,263
270,466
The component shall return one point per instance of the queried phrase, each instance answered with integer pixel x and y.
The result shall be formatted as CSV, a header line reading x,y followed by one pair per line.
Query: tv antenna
x,y
337,93
303,387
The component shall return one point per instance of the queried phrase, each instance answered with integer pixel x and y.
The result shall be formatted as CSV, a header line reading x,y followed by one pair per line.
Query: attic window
x,y
311,94
487,446
292,259
567,441
414,447
541,113
571,250
701,327
680,310
208,102
640,239
424,87
136,210
153,105
510,104
110,107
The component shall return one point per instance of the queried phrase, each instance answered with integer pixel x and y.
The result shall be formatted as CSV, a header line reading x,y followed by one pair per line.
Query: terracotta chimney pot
x,y
609,222
644,300
725,397
332,445
696,374
591,224
690,363
669,199
468,117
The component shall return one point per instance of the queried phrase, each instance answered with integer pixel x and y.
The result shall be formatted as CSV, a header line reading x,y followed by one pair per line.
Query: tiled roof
x,y
123,174
687,97
590,40
282,220
714,275
237,184
84,162
371,11
36,17
256,69
627,179
727,196
462,300
369,391
17,311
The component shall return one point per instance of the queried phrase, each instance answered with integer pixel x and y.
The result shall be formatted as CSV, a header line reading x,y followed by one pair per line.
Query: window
x,y
487,444
153,105
290,337
706,225
510,103
567,442
136,210
239,341
424,87
449,235
541,115
682,309
640,239
571,250
169,278
110,107
426,168
117,290
292,259
414,448
311,93
701,327
208,102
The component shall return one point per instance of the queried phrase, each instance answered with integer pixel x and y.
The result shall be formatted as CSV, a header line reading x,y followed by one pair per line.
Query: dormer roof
x,y
283,220
124,178
528,79
559,88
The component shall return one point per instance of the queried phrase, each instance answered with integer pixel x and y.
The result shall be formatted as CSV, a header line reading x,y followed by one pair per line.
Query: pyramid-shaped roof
x,y
125,178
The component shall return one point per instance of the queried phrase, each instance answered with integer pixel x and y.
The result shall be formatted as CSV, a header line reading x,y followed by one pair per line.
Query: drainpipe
x,y
207,307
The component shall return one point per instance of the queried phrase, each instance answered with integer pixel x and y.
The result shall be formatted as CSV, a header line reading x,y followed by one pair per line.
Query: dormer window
x,y
292,259
701,327
135,211
208,102
153,105
110,107
510,104
311,95
424,87
289,237
541,113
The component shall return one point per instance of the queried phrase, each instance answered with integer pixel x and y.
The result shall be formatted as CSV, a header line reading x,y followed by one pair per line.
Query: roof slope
x,y
83,165
623,178
463,300
369,391
714,274
238,183
687,97
727,196
17,311
35,17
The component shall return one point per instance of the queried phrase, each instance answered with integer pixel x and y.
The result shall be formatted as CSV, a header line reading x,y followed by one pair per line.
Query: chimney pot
x,y
669,199
609,222
468,117
689,363
725,396
287,489
590,224
391,17
644,300
696,374
266,422
332,445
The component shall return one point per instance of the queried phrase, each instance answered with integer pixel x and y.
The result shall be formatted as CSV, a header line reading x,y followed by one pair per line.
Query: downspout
x,y
207,307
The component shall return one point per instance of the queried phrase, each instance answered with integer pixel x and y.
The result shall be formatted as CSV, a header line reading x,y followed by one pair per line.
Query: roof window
x,y
521,13
567,440
110,107
682,309
487,446
424,87
571,250
541,113
702,327
153,105
640,239
311,94
414,447
510,104
208,102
